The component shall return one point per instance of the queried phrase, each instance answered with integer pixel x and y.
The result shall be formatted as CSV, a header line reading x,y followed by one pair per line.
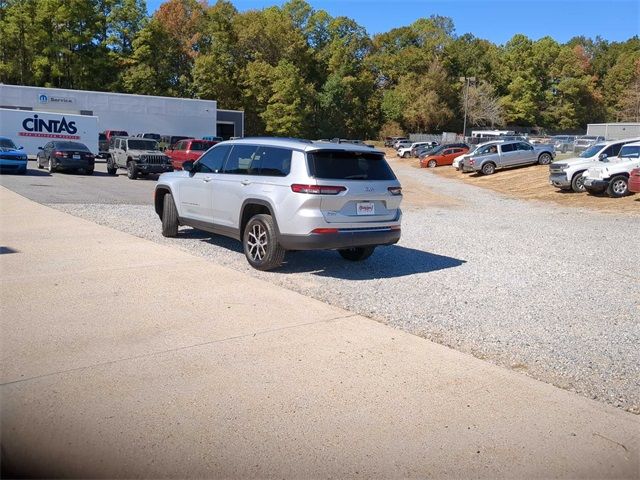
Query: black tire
x,y
88,171
40,166
132,170
618,187
169,217
545,158
260,243
577,183
111,167
432,164
356,254
488,168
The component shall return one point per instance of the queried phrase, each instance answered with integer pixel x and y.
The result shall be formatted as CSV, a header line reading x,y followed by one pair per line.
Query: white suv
x,y
282,194
567,174
612,176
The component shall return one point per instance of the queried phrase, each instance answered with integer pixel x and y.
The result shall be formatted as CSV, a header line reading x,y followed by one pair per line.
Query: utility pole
x,y
467,81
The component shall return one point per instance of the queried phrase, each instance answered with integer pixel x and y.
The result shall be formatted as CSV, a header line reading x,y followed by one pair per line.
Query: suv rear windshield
x,y
341,165
200,145
142,145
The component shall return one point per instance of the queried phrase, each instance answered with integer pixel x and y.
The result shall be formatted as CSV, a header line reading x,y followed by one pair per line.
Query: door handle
x,y
207,179
246,182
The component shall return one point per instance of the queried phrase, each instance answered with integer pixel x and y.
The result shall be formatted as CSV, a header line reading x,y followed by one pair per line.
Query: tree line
x,y
298,71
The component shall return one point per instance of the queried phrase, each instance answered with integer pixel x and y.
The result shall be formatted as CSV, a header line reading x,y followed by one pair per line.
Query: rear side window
x,y
272,161
524,146
239,160
509,147
200,146
341,165
212,161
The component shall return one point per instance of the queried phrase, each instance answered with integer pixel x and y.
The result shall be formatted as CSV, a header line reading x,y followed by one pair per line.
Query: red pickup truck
x,y
188,150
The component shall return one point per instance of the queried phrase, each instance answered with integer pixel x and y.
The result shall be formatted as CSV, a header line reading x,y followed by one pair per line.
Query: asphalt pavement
x,y
69,187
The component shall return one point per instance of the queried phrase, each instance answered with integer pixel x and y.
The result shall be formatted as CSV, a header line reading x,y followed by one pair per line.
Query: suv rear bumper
x,y
344,238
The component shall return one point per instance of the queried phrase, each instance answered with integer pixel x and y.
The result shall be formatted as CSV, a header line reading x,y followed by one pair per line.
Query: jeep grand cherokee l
x,y
279,194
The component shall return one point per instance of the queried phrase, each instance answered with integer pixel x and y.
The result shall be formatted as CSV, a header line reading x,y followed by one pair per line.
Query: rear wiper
x,y
354,177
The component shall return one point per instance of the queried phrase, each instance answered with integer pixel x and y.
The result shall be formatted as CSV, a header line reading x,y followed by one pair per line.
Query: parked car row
x,y
598,164
573,143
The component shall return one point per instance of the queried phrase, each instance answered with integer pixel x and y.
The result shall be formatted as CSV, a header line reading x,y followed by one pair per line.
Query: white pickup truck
x,y
612,175
567,174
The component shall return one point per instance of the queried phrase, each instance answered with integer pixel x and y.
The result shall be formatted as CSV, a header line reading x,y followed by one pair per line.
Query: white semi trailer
x,y
33,129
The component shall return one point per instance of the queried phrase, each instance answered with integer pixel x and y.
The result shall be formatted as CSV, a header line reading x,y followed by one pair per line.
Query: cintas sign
x,y
49,128
34,129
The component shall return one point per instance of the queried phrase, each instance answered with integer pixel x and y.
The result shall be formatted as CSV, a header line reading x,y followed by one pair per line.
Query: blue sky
x,y
495,20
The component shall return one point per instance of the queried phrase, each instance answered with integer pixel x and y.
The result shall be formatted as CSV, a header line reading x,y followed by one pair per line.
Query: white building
x,y
614,131
133,113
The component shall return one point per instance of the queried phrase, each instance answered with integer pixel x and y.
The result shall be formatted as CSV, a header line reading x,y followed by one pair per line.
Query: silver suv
x,y
280,194
138,155
491,156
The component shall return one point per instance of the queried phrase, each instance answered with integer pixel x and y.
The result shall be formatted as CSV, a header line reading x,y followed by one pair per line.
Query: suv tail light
x,y
395,190
317,189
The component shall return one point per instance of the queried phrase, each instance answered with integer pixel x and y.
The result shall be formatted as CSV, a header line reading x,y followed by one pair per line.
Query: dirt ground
x,y
527,183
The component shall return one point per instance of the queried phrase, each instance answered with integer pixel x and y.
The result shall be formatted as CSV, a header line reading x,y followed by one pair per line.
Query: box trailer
x,y
33,129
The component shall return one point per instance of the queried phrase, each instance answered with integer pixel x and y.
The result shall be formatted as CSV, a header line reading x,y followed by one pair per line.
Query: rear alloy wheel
x,y
545,159
260,242
50,166
432,164
356,254
488,169
40,166
577,183
405,155
618,186
169,216
132,171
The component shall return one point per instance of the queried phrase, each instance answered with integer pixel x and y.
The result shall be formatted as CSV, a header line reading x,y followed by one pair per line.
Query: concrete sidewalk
x,y
125,358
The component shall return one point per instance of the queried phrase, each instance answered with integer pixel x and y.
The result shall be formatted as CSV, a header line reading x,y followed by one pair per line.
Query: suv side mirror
x,y
188,166
39,148
20,147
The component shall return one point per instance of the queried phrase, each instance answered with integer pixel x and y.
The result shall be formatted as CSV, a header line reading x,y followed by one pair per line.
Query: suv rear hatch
x,y
371,190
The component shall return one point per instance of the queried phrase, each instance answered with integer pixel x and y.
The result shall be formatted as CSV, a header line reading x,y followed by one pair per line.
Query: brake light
x,y
395,190
324,230
317,189
58,154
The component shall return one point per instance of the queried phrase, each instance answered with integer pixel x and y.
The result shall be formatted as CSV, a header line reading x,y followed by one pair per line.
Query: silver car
x,y
496,155
276,195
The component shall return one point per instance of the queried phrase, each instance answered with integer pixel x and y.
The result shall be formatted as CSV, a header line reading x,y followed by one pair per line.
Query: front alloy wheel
x,y
618,187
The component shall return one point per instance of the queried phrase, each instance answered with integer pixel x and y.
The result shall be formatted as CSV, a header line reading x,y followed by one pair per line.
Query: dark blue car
x,y
12,158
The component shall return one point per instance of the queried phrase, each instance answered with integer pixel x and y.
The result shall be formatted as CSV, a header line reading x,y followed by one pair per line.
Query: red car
x,y
188,150
634,180
443,157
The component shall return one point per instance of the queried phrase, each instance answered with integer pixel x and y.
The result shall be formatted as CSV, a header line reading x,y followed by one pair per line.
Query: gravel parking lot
x,y
539,288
